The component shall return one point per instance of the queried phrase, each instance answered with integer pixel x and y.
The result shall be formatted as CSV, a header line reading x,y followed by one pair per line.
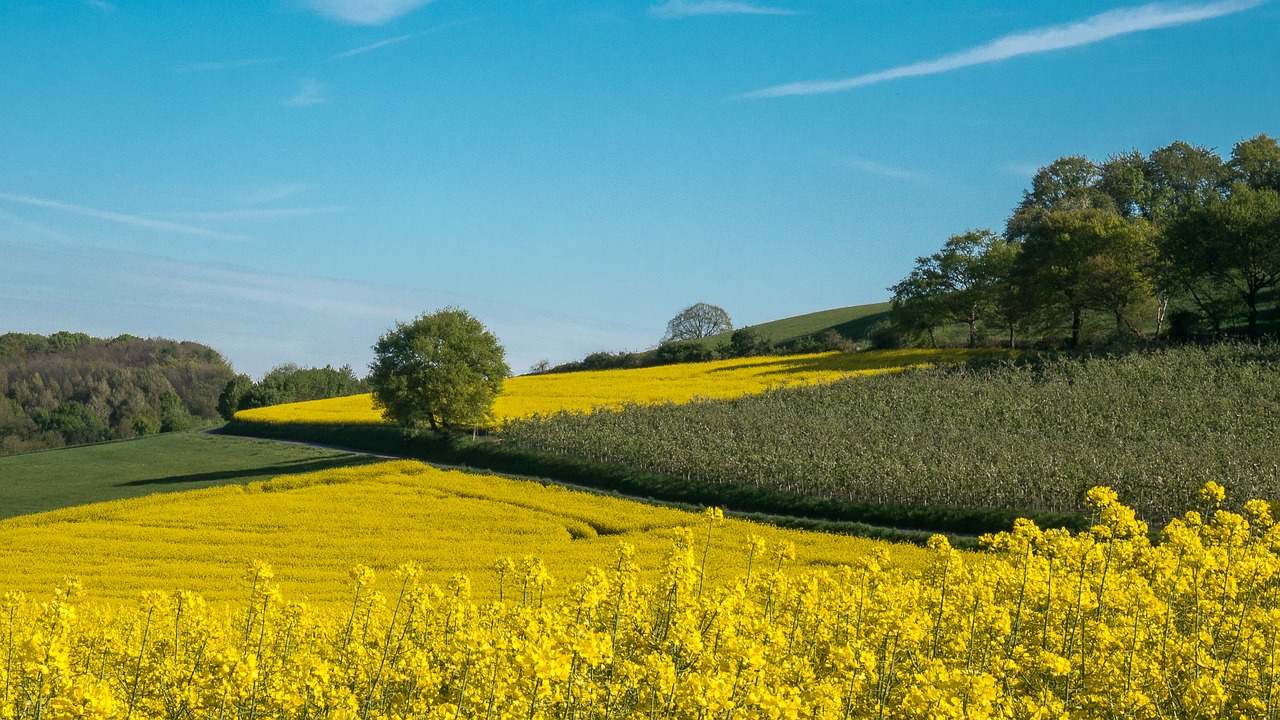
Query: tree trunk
x,y
1076,323
1011,337
973,326
1251,299
1162,309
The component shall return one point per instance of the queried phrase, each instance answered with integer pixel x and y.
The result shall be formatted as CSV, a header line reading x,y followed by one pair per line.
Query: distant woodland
x,y
69,388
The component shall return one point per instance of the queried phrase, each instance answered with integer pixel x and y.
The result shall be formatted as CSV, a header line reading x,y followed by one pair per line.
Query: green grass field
x,y
53,479
851,322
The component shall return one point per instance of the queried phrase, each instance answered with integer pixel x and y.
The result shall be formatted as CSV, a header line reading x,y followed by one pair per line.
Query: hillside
x,y
172,462
850,322
70,388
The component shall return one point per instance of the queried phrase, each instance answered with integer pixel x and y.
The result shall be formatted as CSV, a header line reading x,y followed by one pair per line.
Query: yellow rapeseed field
x,y
1102,624
528,395
312,528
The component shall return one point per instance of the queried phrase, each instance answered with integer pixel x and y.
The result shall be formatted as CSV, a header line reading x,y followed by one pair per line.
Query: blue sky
x,y
285,180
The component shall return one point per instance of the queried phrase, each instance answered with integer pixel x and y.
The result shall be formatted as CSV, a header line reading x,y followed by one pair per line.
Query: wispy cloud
x,y
30,226
1101,27
675,9
262,213
365,12
136,220
1024,170
372,46
397,39
875,168
275,193
215,66
101,5
309,92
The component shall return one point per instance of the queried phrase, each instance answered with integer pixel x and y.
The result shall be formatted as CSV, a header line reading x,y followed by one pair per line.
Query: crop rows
x,y
1031,435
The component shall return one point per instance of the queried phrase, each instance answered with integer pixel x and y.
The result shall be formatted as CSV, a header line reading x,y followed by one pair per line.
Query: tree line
x,y
1175,242
288,383
70,388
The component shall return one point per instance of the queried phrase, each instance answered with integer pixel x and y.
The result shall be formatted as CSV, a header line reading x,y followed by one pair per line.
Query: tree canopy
x,y
1127,238
69,388
697,321
442,370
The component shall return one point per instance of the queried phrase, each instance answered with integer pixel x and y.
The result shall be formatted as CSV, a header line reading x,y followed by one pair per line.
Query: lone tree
x,y
443,370
697,321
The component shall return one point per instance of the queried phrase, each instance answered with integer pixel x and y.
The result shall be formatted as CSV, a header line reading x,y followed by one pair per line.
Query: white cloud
x,y
262,213
31,227
372,46
674,9
1101,27
875,168
100,4
215,66
1025,170
365,12
309,93
274,193
137,220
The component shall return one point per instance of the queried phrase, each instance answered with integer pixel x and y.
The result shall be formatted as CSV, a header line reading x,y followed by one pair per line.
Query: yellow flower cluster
x,y
1102,624
313,527
530,395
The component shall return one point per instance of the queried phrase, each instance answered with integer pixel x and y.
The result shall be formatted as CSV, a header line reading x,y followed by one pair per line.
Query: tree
x,y
1232,242
443,370
951,285
1068,183
229,399
746,342
1125,178
682,351
1182,174
1008,302
1256,161
1082,259
698,321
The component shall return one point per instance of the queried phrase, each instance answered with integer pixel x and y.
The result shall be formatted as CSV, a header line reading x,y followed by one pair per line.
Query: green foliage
x,y
1068,183
953,285
1132,240
69,388
443,370
1232,242
287,384
75,423
1031,435
1084,259
1256,162
687,351
746,342
885,335
232,392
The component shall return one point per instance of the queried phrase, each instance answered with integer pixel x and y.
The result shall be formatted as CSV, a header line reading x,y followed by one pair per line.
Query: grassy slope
x,y
52,479
852,322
